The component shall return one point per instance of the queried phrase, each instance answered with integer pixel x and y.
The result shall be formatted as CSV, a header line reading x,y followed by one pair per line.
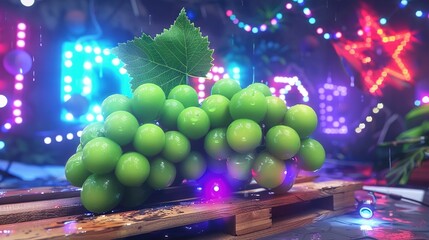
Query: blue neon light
x,y
82,69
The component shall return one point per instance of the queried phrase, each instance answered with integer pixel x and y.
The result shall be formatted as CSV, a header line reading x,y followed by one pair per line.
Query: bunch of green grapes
x,y
151,140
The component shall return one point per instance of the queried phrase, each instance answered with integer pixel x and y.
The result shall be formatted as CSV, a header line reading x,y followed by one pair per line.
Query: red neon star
x,y
378,56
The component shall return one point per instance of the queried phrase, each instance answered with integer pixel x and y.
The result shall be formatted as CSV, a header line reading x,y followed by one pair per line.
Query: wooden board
x,y
261,207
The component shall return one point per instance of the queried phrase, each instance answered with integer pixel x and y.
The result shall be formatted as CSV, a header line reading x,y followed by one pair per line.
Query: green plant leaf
x,y
168,59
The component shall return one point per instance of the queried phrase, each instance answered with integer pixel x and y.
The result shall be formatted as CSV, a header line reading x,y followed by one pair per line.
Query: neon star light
x,y
378,56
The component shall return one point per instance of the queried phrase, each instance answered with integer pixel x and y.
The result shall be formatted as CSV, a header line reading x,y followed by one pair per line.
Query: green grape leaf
x,y
170,58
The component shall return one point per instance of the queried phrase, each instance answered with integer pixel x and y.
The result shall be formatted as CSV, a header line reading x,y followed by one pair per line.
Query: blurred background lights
x,y
59,138
47,140
69,136
89,73
27,3
419,13
283,85
3,101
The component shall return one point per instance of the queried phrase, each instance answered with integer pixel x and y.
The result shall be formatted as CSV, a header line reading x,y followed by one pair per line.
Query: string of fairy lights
x,y
300,6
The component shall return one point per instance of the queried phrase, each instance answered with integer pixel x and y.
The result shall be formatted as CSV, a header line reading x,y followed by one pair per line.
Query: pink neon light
x,y
18,120
20,43
19,77
17,103
19,86
17,112
22,26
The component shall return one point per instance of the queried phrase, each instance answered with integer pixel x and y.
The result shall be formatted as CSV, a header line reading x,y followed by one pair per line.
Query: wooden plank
x,y
251,221
40,207
253,215
8,196
129,223
285,224
37,194
342,200
29,211
253,226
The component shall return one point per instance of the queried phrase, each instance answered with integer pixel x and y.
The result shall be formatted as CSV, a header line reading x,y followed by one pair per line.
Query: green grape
x,y
239,166
147,101
162,173
91,131
132,169
302,118
193,122
75,171
248,103
268,171
216,145
217,166
184,94
149,139
263,88
193,167
169,113
282,142
226,87
115,102
276,110
101,193
311,155
120,126
292,171
79,147
244,135
176,148
100,155
135,196
217,108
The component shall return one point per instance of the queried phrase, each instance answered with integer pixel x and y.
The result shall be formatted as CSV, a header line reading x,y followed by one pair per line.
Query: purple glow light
x,y
425,99
288,6
331,124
